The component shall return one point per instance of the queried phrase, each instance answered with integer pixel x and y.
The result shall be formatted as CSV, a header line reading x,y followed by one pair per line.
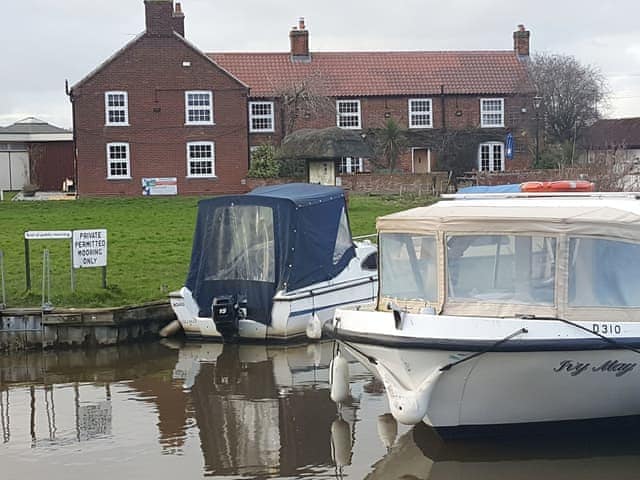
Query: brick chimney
x,y
159,17
521,41
299,37
178,20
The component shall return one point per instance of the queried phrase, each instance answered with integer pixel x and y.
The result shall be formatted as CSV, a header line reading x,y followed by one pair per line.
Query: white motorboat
x,y
495,310
270,264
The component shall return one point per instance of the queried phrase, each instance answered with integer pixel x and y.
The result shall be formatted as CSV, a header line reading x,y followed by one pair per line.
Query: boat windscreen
x,y
501,268
242,244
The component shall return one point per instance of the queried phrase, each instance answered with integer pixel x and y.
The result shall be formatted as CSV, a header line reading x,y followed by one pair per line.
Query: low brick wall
x,y
372,183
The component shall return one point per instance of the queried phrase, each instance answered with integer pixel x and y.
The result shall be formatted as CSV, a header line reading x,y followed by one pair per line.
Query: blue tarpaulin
x,y
509,188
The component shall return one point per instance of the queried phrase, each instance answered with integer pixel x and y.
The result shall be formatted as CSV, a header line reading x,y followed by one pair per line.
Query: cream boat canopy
x,y
569,256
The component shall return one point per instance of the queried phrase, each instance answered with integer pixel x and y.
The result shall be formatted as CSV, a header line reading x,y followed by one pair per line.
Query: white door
x,y
14,170
322,172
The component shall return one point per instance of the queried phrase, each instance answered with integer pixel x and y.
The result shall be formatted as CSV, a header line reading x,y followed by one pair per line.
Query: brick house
x,y
159,108
457,106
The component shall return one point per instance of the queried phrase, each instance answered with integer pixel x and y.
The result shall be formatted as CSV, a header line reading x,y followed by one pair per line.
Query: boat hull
x,y
546,371
291,313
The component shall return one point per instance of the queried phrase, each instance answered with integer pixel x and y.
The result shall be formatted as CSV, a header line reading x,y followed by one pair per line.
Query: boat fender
x,y
387,430
170,329
341,442
314,328
408,406
339,370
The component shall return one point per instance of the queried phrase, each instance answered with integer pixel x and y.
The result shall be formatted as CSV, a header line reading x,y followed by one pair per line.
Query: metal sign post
x,y
40,235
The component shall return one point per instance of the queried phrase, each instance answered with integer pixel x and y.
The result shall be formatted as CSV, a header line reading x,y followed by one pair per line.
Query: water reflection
x,y
260,410
190,410
422,454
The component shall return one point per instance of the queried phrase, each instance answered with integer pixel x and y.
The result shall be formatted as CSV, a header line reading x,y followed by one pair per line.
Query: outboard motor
x,y
226,311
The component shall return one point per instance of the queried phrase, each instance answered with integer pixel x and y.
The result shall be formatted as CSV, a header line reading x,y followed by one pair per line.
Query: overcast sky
x,y
45,42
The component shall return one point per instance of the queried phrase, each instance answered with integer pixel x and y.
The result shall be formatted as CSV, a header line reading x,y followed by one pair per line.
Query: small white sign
x,y
89,248
47,234
160,186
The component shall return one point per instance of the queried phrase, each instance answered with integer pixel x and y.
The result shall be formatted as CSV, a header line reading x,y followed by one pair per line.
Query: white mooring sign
x,y
89,248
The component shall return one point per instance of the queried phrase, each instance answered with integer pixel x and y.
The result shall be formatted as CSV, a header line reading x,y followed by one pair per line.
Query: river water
x,y
180,411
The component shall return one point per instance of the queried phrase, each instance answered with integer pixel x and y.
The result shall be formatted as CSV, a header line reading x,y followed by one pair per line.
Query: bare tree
x,y
572,94
306,98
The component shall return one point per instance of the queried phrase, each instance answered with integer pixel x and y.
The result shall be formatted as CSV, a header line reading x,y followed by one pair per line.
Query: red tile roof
x,y
349,74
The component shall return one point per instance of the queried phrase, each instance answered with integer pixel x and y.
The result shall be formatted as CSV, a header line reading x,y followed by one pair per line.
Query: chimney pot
x,y
521,41
299,38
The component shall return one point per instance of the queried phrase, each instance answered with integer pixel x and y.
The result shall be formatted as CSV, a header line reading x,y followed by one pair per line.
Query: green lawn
x,y
149,245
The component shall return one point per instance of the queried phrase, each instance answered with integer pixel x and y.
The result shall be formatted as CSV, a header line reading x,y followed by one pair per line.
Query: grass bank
x,y
149,245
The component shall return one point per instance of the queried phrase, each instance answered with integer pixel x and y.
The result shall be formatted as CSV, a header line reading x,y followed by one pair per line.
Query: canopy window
x,y
501,268
603,273
241,246
408,267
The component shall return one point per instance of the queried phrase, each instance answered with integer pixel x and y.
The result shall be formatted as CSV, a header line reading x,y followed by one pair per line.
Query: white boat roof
x,y
606,214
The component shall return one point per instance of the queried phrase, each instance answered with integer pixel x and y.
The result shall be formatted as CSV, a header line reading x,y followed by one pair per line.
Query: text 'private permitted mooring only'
x,y
89,248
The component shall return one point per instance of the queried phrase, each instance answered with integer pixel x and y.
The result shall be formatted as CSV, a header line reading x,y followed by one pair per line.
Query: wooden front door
x,y
423,160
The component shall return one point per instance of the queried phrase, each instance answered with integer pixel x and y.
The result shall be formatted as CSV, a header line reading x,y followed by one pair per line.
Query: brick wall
x,y
455,113
151,71
400,183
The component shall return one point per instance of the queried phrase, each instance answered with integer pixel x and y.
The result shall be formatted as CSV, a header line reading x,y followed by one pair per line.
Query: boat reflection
x,y
260,410
422,454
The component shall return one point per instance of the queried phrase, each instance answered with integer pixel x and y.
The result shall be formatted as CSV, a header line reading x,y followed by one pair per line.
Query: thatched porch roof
x,y
323,144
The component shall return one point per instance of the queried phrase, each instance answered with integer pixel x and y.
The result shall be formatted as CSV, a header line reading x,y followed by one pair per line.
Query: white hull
x,y
499,387
292,311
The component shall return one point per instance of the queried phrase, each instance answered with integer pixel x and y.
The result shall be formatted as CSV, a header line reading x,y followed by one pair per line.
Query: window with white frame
x,y
198,108
348,114
491,112
420,113
116,108
351,165
491,157
118,161
261,116
201,159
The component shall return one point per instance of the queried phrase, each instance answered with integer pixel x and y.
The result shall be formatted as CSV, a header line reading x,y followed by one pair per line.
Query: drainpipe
x,y
75,147
444,125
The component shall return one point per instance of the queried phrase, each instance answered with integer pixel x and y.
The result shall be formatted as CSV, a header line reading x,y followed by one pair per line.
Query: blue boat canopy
x,y
283,237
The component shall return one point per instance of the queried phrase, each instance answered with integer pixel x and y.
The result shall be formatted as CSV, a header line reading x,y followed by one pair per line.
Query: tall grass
x,y
149,246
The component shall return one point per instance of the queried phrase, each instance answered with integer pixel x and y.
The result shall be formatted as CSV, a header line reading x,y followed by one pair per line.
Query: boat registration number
x,y
607,328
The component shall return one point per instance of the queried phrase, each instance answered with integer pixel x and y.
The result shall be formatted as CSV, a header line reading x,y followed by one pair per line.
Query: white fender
x,y
314,328
341,442
314,351
339,370
408,406
387,430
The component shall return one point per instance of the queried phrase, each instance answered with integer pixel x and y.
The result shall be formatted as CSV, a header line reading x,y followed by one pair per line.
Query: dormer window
x,y
116,108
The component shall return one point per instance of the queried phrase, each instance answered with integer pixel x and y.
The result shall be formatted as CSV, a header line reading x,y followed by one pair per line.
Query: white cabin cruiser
x,y
495,310
272,263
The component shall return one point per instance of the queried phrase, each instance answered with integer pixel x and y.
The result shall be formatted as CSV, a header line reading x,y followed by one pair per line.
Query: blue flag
x,y
509,146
